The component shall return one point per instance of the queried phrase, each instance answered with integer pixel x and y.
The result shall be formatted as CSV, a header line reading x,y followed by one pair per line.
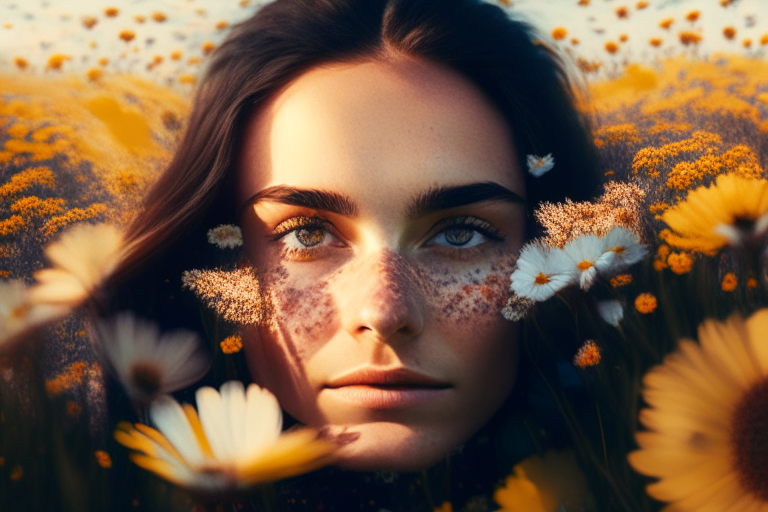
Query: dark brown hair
x,y
523,78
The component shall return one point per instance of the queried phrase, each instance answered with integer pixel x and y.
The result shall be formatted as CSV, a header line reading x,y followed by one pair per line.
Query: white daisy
x,y
234,443
611,311
583,258
147,363
17,315
536,278
625,247
82,257
539,165
226,236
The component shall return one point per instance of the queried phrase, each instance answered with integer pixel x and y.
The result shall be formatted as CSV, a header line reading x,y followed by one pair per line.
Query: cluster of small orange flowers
x,y
665,24
208,47
111,12
680,262
159,16
103,459
17,473
89,22
688,37
645,303
623,134
740,160
658,207
127,35
730,282
33,206
651,160
74,215
622,12
73,409
621,280
70,377
660,259
231,344
559,33
12,225
94,74
620,204
587,355
729,32
611,47
57,60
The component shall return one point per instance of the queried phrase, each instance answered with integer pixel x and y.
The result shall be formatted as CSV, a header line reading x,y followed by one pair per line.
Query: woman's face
x,y
386,220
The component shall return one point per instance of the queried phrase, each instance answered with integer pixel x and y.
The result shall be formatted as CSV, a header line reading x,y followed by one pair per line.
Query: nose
x,y
383,299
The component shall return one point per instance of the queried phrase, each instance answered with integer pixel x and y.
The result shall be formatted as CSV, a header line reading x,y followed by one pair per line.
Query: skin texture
x,y
382,287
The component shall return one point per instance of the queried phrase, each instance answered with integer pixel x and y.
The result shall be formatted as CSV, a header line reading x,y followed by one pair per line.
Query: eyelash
x,y
295,224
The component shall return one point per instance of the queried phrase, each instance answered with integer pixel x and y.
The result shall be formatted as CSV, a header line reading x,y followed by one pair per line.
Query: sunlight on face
x,y
385,217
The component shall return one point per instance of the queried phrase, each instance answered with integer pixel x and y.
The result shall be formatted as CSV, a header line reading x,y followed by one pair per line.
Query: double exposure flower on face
x,y
625,247
583,259
233,441
82,257
148,363
225,236
539,165
707,438
536,277
732,211
18,315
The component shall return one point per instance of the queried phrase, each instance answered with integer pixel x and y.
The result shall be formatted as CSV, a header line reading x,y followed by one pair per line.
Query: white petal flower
x,y
18,315
611,311
581,258
625,247
536,278
538,165
233,441
147,363
226,236
82,257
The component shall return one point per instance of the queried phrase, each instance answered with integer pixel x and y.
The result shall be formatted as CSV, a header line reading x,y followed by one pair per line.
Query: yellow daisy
x,y
707,439
234,443
545,484
731,211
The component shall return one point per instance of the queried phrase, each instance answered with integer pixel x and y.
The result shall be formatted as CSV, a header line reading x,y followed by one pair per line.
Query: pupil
x,y
310,237
458,236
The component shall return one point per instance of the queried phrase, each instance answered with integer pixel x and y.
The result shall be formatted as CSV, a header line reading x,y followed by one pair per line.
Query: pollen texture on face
x,y
749,437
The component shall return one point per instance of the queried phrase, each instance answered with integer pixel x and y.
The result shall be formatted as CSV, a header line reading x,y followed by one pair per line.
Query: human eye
x,y
305,237
464,233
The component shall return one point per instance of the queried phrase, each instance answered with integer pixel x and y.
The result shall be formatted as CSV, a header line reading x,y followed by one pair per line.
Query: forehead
x,y
377,130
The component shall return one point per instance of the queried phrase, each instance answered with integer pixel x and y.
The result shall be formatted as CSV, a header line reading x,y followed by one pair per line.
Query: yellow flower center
x,y
748,439
541,278
584,265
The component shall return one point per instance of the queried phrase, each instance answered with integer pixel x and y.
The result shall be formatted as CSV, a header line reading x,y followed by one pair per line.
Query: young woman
x,y
374,154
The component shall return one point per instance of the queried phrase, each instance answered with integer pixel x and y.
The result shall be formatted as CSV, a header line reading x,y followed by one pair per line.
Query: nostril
x,y
364,328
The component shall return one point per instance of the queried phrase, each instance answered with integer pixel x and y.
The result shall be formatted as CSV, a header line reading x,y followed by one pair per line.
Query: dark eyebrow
x,y
443,198
332,202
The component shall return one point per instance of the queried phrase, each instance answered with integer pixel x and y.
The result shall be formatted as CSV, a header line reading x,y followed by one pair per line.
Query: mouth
x,y
396,388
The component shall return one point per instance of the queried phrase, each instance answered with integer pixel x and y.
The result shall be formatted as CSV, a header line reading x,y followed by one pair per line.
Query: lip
x,y
394,388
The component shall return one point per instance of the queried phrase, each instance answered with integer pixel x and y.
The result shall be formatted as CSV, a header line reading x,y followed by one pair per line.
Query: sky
x,y
37,29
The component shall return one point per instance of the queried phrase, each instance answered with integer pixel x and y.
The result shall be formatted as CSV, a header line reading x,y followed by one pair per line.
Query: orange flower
x,y
588,355
655,42
176,55
729,32
621,280
139,18
231,345
208,47
623,38
222,25
641,5
127,35
574,41
747,43
730,282
622,12
21,62
680,263
159,16
693,16
89,22
559,33
111,12
56,60
764,40
187,79
611,47
103,61
665,24
751,283
645,303
690,38
94,74
103,459
583,3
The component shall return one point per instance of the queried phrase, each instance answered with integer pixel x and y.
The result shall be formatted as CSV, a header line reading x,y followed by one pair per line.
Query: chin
x,y
384,446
